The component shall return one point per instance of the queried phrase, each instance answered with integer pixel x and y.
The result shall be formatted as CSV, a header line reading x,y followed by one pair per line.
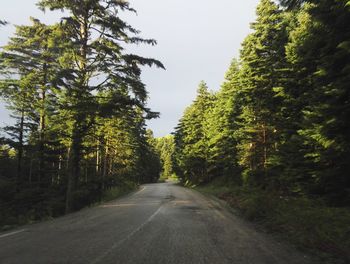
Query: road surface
x,y
161,223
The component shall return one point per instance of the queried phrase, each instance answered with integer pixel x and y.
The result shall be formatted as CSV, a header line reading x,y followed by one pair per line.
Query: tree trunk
x,y
20,151
265,146
74,168
105,165
97,158
42,125
80,118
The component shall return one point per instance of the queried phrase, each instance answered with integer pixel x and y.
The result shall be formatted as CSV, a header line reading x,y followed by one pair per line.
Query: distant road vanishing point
x,y
161,223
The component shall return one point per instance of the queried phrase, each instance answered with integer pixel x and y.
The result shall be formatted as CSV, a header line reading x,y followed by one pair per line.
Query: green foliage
x,y
165,146
277,132
310,224
80,112
191,139
119,191
323,67
280,120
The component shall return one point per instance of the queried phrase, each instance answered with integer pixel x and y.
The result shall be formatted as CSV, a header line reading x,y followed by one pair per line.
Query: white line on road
x,y
120,242
142,189
12,233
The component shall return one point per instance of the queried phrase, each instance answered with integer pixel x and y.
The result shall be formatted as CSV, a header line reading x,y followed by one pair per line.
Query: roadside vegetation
x,y
310,224
79,109
165,147
274,141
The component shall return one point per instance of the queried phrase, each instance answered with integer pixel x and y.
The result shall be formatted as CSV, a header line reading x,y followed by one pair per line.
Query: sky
x,y
197,40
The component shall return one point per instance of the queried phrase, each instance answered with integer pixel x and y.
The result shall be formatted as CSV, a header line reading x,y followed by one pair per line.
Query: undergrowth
x,y
308,223
23,210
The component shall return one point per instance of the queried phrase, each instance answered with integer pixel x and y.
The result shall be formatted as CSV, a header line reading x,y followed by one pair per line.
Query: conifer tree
x,y
32,54
18,95
323,68
220,125
165,146
263,60
190,139
97,51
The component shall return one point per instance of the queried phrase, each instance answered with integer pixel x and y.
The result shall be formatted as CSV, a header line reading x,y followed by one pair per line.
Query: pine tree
x,y
32,55
99,35
220,125
165,146
191,141
263,61
324,73
18,95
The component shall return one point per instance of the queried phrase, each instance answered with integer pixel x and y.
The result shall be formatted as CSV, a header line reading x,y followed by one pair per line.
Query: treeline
x,y
165,147
281,120
79,111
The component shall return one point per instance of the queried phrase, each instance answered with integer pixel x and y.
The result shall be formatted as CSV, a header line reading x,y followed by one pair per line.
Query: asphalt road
x,y
161,223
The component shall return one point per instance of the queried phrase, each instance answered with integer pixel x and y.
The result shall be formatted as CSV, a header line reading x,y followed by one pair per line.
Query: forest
x,y
274,141
79,111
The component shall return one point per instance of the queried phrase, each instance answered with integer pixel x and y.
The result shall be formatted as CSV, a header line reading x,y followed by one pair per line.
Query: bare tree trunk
x,y
98,158
74,168
20,151
42,125
59,170
265,146
105,164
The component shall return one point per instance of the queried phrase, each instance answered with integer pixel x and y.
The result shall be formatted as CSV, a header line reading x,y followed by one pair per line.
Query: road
x,y
161,223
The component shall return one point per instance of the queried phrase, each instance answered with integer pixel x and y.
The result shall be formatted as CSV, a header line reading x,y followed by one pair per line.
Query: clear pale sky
x,y
197,40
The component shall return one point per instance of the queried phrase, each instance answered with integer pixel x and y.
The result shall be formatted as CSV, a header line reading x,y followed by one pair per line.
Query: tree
x,y
18,95
165,146
220,124
98,34
323,67
33,55
191,141
31,65
261,73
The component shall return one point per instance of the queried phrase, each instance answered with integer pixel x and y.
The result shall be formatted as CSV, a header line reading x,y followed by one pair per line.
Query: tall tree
x,y
323,65
18,94
190,139
98,35
32,54
263,60
165,147
219,126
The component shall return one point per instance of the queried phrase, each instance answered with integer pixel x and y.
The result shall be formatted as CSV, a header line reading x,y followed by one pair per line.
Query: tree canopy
x,y
280,121
80,112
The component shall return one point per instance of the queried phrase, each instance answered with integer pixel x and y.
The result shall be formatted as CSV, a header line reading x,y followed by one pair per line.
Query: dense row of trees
x,y
79,110
281,120
165,147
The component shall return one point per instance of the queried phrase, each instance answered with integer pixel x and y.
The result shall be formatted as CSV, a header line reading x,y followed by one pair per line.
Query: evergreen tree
x,y
191,141
165,146
33,55
263,61
219,126
98,35
324,69
18,94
